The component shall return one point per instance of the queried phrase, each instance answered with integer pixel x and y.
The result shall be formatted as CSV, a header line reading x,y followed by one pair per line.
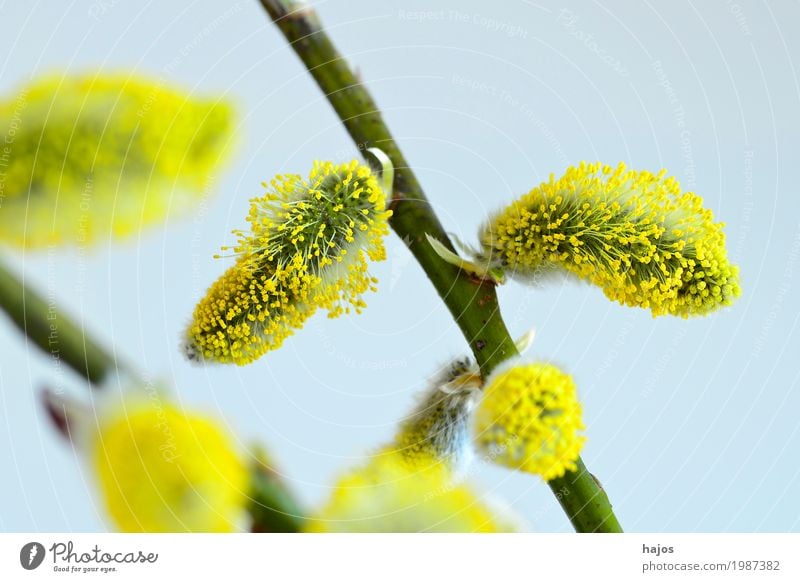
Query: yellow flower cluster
x,y
438,430
307,248
530,419
248,311
634,234
160,469
387,496
96,156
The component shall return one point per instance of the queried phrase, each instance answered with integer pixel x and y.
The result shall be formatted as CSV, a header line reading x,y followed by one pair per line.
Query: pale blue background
x,y
692,424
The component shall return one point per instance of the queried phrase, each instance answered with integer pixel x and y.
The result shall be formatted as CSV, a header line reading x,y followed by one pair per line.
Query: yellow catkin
x,y
91,157
632,233
250,310
438,429
387,496
161,469
530,419
307,248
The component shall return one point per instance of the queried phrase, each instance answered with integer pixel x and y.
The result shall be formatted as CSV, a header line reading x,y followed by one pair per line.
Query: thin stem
x,y
585,501
272,506
53,331
471,301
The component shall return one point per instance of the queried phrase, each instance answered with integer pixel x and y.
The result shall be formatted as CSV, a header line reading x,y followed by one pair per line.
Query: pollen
x,y
635,234
308,248
530,419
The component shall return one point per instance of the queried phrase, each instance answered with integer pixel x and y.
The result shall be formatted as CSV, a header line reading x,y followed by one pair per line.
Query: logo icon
x,y
31,555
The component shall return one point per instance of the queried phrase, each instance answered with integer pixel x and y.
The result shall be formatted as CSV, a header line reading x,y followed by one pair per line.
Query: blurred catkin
x,y
98,156
388,496
162,469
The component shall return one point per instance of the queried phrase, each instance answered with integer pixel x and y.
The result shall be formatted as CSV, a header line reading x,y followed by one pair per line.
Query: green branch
x,y
52,331
472,302
272,506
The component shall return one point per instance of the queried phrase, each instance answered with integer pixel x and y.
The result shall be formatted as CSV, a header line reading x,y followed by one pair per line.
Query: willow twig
x,y
472,301
52,330
272,506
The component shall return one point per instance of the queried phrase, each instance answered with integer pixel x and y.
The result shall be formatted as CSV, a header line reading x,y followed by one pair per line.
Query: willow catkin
x,y
634,234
